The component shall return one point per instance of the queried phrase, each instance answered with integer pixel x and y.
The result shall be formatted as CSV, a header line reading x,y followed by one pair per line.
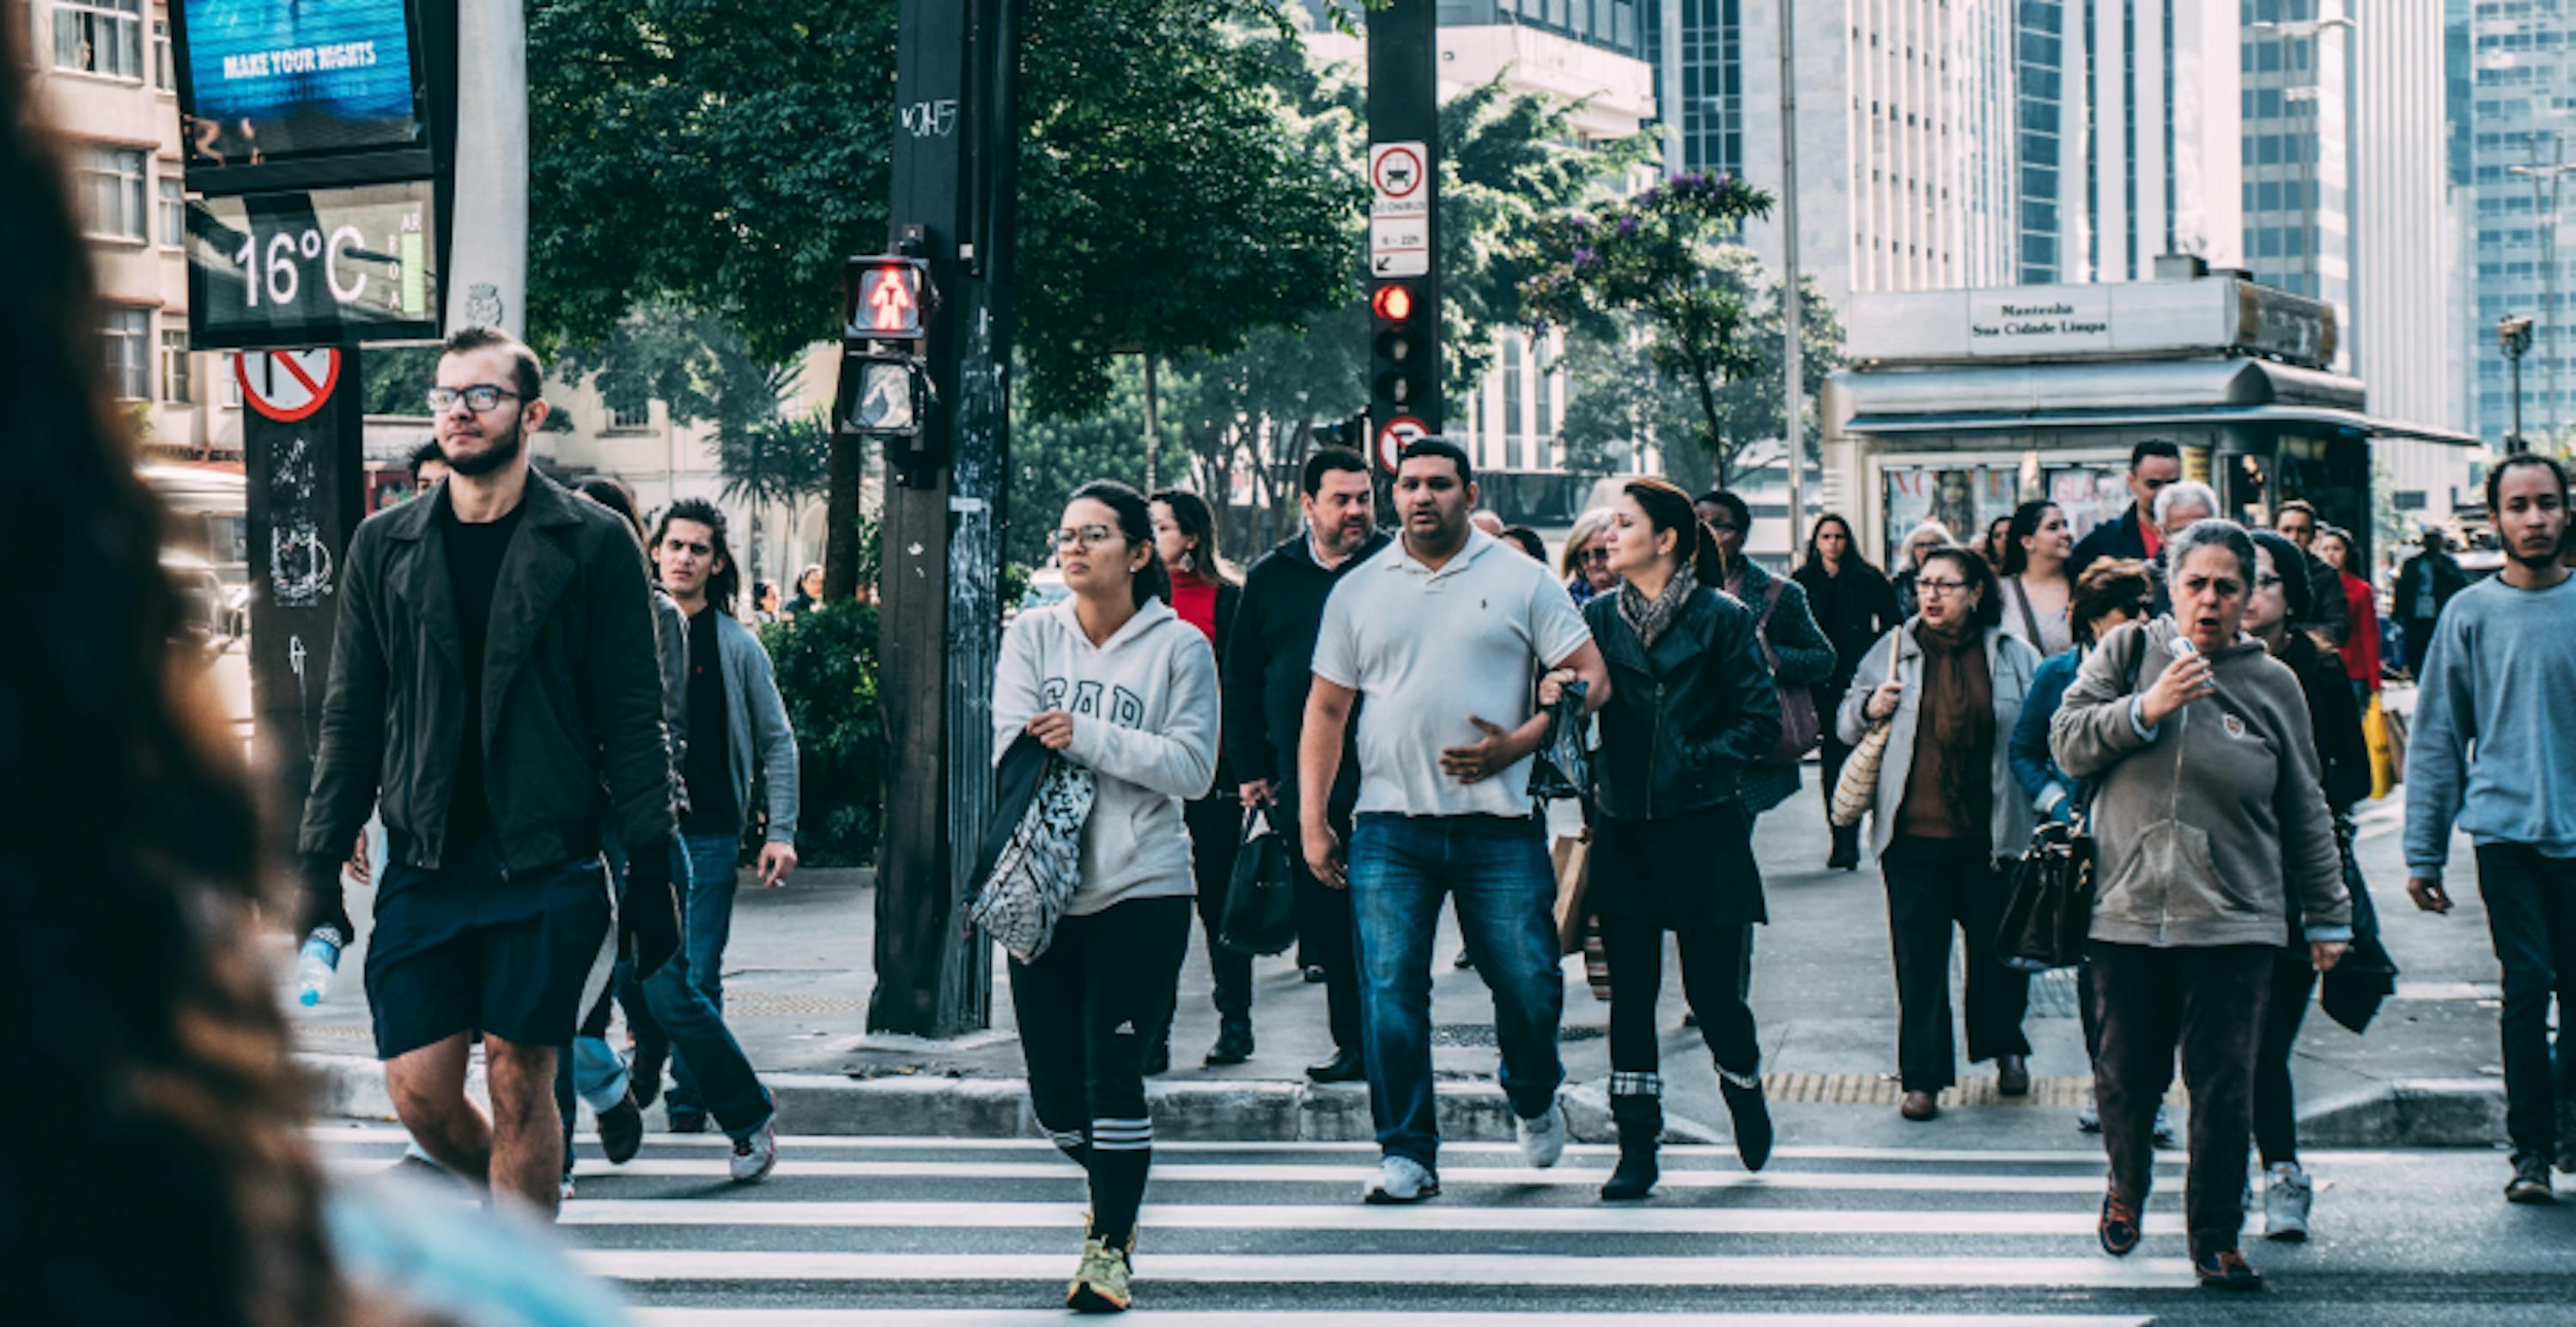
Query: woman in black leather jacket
x,y
1691,704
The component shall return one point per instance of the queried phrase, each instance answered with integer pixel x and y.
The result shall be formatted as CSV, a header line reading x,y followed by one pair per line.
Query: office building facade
x,y
2521,88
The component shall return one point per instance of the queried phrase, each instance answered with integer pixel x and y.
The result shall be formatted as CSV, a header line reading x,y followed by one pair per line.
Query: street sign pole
x,y
955,153
1404,213
304,500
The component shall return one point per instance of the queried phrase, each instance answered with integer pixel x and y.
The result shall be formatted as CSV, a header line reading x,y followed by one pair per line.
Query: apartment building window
x,y
99,37
165,65
112,191
178,373
129,354
174,208
637,416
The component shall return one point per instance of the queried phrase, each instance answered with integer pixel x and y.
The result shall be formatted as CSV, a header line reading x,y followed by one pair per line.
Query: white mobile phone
x,y
2183,648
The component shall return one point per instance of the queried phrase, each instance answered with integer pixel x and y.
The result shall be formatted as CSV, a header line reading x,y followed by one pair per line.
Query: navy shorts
x,y
465,949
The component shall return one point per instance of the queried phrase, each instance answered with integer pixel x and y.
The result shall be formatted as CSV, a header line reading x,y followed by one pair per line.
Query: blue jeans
x,y
706,914
674,1008
1498,868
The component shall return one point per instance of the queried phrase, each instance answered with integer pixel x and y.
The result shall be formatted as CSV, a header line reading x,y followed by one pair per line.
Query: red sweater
x,y
2361,648
1194,598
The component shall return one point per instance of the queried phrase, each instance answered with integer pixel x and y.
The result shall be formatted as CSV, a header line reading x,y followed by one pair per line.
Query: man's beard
x,y
2543,561
492,458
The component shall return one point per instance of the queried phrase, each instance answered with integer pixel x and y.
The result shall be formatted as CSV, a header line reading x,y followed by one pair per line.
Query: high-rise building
x,y
107,82
2522,125
1905,130
2127,113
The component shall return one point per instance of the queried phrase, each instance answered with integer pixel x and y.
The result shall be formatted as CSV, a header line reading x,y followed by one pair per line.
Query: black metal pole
x,y
1404,107
956,146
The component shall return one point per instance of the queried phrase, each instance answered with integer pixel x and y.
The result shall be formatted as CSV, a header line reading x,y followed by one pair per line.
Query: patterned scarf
x,y
1651,619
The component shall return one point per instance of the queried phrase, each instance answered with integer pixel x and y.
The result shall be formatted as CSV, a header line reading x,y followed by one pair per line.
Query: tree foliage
x,y
1652,258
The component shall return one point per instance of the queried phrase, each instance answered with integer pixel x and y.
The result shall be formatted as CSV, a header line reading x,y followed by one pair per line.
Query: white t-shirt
x,y
1430,650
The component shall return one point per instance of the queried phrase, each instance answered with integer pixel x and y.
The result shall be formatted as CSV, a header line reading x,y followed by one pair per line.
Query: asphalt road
x,y
860,1231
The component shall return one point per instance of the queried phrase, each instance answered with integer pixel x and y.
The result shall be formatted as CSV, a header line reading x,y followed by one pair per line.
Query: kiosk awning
x,y
2149,394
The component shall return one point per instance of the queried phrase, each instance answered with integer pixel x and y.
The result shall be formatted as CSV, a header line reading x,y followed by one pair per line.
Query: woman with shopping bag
x,y
1691,706
1110,679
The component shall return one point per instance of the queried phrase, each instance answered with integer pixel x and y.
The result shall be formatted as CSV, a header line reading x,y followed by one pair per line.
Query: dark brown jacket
x,y
572,695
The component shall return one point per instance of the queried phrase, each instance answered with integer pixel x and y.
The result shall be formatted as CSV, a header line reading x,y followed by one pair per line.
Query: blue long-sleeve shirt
x,y
2484,750
2034,766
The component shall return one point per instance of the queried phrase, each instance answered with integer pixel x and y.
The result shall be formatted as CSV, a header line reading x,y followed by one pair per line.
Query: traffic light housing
x,y
885,392
1400,359
1351,433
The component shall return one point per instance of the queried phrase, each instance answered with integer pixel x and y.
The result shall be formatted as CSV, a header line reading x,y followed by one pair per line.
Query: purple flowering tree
x,y
1655,259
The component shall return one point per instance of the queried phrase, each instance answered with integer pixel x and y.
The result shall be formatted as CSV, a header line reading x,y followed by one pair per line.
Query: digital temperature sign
x,y
277,83
323,268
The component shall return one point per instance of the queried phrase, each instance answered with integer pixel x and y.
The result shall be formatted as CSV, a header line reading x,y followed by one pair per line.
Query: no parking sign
x,y
287,385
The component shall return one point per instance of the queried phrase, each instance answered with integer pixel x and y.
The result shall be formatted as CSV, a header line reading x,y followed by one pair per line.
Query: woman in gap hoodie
x,y
1115,681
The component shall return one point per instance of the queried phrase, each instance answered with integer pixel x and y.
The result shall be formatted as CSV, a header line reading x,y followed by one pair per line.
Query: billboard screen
x,y
275,81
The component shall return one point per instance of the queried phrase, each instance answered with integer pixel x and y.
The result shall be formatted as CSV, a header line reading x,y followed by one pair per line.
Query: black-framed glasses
x,y
1938,589
1084,535
479,398
1596,553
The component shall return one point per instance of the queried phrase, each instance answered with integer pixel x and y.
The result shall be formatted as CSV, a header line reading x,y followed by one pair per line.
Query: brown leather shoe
x,y
2119,1229
2012,1076
1919,1106
2226,1270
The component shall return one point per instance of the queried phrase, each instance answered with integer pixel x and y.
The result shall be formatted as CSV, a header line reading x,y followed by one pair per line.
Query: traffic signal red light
x,y
1392,303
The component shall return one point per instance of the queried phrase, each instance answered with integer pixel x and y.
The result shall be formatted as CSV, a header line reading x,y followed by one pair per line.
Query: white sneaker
x,y
1543,1138
2089,1119
1401,1180
2286,1197
2164,1127
754,1157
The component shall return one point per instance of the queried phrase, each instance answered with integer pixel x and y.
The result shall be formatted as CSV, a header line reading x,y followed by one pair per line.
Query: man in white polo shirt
x,y
1445,632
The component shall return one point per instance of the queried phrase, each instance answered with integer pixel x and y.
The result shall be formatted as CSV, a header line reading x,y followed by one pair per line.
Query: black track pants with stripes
x,y
1089,1008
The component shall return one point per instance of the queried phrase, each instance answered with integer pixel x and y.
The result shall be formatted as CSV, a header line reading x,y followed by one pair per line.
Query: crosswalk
x,y
853,1232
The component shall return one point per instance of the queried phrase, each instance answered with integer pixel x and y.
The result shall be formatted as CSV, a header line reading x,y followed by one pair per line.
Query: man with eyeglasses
x,y
494,689
2152,465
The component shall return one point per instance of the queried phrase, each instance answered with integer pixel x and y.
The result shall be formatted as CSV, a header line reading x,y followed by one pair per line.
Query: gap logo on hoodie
x,y
1126,708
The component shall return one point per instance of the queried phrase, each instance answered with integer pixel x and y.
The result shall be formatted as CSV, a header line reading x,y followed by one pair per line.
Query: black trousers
x,y
1216,832
1324,930
2206,1004
1089,1008
1934,885
1713,958
2276,1101
2531,913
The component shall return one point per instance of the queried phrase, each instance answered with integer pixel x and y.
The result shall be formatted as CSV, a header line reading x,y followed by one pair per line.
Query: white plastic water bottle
x,y
316,964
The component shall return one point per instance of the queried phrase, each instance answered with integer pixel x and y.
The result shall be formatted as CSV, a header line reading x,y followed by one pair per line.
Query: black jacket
x,y
1685,718
1853,609
572,691
2111,539
1269,664
2334,716
2448,580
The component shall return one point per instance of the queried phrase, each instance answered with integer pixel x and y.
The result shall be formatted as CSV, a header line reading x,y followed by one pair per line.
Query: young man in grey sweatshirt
x,y
2485,756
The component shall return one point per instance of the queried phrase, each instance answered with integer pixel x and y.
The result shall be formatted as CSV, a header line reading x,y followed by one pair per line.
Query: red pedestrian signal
x,y
885,299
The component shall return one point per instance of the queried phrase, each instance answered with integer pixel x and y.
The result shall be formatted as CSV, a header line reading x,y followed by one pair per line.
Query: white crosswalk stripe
x,y
853,1232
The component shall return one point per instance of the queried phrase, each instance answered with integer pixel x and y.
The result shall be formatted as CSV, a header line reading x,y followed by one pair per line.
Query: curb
x,y
2416,1113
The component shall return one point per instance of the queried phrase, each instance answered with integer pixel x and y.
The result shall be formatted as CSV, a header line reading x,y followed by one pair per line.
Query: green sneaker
x,y
1100,1285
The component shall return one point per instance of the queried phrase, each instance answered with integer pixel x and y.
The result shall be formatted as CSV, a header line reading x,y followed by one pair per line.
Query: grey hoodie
x,y
1144,706
2202,823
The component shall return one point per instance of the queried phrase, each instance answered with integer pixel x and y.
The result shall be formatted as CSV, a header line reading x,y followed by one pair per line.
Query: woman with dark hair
x,y
2112,593
2277,614
2361,606
1526,540
1691,705
2035,586
1996,546
764,602
157,1165
1854,605
1112,680
809,590
2207,817
1205,592
1946,810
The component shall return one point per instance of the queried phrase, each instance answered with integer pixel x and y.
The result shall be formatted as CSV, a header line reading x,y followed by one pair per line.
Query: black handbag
x,y
2050,913
1261,899
1562,769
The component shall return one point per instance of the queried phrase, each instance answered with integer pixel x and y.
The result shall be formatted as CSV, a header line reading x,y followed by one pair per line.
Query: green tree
x,y
1653,258
1050,458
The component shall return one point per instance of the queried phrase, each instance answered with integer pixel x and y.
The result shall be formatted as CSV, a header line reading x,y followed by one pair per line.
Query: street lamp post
x,y
2513,336
2553,346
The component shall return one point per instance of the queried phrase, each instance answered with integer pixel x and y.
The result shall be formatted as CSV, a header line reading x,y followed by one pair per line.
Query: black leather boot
x,y
1751,1112
1846,854
1641,1125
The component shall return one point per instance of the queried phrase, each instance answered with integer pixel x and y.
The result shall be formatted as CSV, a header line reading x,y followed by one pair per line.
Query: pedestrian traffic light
x,y
1399,353
885,391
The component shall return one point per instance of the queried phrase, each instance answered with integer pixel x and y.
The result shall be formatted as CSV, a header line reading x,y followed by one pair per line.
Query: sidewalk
x,y
799,972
